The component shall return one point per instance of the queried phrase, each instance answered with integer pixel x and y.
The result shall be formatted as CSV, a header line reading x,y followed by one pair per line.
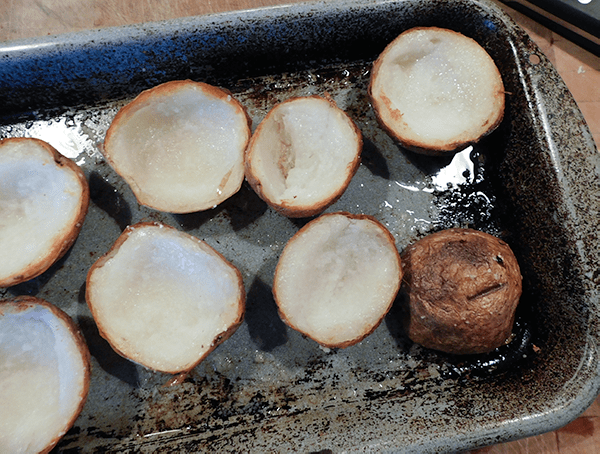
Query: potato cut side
x,y
337,278
436,90
303,155
44,198
163,298
44,372
463,289
180,146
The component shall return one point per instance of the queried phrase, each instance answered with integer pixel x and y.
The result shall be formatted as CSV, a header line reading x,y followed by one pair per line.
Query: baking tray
x,y
534,182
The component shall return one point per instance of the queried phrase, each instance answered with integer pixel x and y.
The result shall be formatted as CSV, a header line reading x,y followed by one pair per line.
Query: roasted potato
x,y
463,288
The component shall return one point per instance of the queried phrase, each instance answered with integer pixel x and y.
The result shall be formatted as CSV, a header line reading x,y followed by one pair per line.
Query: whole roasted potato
x,y
463,288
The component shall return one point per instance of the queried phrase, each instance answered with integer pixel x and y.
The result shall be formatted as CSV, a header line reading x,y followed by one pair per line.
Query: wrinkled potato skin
x,y
463,288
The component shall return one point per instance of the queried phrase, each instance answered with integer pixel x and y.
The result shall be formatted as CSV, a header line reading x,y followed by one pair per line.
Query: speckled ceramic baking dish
x,y
535,182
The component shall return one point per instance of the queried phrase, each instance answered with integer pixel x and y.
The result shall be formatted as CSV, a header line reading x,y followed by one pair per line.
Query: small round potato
x,y
164,298
337,278
180,146
463,288
45,375
436,91
302,156
44,199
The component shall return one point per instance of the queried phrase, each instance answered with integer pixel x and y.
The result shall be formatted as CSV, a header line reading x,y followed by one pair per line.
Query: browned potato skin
x,y
463,288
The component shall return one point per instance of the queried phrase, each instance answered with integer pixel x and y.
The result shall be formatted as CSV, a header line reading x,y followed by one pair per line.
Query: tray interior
x,y
533,182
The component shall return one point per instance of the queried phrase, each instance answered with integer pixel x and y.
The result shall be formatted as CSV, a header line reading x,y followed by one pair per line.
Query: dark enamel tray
x,y
535,182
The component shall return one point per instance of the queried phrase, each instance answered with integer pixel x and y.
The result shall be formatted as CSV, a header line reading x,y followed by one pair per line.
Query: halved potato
x,y
44,375
303,155
436,90
337,278
463,288
44,197
180,146
163,298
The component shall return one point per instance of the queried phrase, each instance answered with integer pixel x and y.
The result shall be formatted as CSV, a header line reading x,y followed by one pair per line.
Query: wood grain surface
x,y
580,70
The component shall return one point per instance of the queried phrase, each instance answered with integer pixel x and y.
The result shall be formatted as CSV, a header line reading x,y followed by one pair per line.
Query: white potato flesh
x,y
337,278
180,146
40,202
43,377
162,297
437,86
305,151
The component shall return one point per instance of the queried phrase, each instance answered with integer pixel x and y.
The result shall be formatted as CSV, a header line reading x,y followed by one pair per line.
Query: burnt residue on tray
x,y
519,351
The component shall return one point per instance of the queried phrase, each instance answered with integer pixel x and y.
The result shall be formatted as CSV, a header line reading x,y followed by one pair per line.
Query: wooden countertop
x,y
579,69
